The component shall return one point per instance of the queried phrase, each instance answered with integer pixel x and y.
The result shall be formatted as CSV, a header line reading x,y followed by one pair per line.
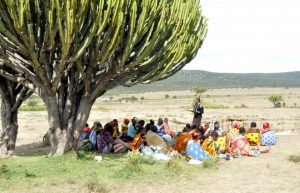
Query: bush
x,y
276,99
215,106
97,188
133,98
174,97
32,102
167,96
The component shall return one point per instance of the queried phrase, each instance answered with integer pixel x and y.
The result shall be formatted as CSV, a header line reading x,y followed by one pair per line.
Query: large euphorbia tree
x,y
72,51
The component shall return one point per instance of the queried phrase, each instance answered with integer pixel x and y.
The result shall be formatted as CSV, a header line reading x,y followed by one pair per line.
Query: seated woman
x,y
268,137
105,139
234,131
194,150
137,143
240,145
253,135
182,140
209,144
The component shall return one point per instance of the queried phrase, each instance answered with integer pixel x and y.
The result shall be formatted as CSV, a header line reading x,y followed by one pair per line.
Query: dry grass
x,y
294,158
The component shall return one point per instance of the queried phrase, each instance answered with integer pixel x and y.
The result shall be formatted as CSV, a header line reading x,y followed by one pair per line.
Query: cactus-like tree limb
x,y
73,51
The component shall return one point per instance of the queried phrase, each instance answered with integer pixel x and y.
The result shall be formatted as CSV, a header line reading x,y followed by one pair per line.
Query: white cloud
x,y
250,36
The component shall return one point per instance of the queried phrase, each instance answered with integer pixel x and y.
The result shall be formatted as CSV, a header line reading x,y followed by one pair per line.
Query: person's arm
x,y
126,145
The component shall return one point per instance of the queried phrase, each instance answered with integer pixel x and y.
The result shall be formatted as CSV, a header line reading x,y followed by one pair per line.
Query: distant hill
x,y
188,79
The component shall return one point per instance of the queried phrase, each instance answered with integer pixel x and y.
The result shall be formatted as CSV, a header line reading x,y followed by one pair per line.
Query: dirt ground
x,y
268,173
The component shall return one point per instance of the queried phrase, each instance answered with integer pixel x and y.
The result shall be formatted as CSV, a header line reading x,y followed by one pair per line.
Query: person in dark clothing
x,y
198,112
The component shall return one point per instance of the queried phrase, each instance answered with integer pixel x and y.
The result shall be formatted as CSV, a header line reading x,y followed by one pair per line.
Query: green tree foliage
x,y
71,52
199,90
276,99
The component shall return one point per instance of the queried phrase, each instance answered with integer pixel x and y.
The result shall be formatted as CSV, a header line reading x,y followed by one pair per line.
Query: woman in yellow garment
x,y
209,144
253,135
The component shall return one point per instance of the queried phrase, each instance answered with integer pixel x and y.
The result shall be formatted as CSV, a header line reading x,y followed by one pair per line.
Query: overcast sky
x,y
250,36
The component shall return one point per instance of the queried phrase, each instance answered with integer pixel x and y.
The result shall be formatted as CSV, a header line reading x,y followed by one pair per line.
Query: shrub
x,y
97,188
133,98
174,165
167,96
215,106
276,99
142,98
174,97
32,102
211,163
242,106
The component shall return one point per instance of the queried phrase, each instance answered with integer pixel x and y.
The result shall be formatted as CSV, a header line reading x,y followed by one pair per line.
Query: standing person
x,y
198,112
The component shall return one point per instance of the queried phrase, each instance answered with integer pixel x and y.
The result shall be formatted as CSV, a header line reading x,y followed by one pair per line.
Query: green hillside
x,y
187,79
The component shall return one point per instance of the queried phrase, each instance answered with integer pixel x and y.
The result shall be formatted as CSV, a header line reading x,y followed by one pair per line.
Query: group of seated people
x,y
198,143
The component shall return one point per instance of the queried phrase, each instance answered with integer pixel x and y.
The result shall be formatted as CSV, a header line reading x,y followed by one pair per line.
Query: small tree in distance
x,y
276,99
199,90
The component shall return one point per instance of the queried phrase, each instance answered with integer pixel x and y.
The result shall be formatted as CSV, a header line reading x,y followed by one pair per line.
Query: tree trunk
x,y
9,129
66,121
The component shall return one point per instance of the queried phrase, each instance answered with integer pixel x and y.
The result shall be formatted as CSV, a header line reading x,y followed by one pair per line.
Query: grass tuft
x,y
29,174
211,163
294,158
94,187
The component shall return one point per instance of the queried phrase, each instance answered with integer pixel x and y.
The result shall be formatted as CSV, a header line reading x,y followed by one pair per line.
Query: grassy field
x,y
34,172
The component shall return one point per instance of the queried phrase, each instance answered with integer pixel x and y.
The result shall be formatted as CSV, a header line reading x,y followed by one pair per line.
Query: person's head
x,y
115,121
206,125
134,120
185,130
198,100
214,135
160,121
153,128
266,125
97,125
188,126
166,120
126,121
86,125
216,125
253,125
196,136
140,124
242,130
147,127
236,125
152,122
108,128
